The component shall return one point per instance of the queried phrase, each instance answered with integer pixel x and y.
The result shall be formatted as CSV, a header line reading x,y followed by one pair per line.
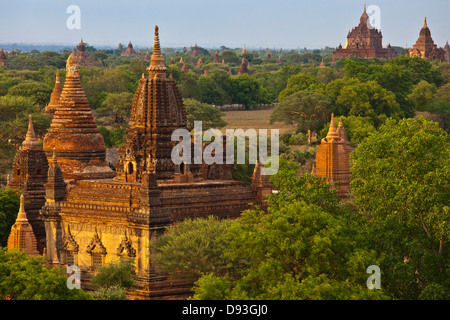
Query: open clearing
x,y
254,119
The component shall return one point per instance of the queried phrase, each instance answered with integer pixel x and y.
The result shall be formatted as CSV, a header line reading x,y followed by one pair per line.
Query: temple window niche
x,y
125,249
130,168
70,249
97,251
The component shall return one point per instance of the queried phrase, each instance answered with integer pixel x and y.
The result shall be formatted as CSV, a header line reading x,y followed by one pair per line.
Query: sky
x,y
286,24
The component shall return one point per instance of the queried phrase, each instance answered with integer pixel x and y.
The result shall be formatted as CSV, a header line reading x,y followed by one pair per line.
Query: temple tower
x,y
195,52
54,98
261,185
244,51
157,110
29,174
447,51
364,41
243,68
425,46
3,58
333,158
21,236
74,134
216,57
129,51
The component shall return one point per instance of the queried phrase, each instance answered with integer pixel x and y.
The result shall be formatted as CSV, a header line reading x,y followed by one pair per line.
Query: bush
x,y
298,139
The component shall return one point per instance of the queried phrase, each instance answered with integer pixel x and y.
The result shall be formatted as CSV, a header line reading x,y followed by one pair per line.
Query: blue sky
x,y
212,23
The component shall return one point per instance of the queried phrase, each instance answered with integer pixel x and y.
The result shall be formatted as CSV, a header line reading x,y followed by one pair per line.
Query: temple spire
x,y
425,23
30,141
157,66
332,131
22,236
22,216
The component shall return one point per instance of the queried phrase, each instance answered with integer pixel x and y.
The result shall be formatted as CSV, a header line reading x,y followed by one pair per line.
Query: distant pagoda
x,y
425,46
195,52
243,68
82,55
216,57
54,98
147,56
244,51
130,51
364,41
3,58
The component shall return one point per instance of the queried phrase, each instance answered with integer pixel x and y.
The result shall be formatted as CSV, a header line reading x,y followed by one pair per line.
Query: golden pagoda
x,y
21,237
54,98
74,134
333,159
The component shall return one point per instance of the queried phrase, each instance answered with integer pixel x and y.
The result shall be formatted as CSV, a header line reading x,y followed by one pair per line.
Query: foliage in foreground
x,y
25,277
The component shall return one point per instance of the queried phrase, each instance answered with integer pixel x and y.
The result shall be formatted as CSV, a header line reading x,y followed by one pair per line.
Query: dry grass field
x,y
254,119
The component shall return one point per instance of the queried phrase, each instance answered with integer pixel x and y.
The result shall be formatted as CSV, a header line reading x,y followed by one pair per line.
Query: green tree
x,y
210,116
39,92
422,94
298,82
193,247
296,252
245,90
400,180
211,92
115,109
25,277
309,110
137,68
119,274
421,69
367,99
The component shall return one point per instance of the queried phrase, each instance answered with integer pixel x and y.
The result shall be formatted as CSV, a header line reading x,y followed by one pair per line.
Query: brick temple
x,y
130,51
333,159
364,41
83,213
426,48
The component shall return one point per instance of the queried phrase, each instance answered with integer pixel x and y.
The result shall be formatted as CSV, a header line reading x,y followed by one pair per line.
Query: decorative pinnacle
x,y
54,160
332,131
57,77
30,139
22,215
157,65
425,22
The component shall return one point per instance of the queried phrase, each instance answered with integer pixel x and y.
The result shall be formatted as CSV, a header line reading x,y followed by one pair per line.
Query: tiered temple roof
x,y
195,52
425,46
130,51
216,57
82,55
157,110
54,98
364,41
244,51
74,134
243,67
29,174
22,237
147,56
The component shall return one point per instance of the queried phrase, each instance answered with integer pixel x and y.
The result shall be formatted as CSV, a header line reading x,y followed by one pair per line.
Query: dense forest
x,y
308,245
